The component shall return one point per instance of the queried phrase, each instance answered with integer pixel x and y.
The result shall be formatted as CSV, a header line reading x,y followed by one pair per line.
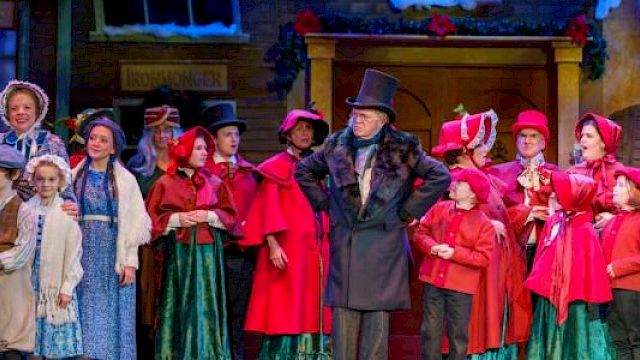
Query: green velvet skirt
x,y
296,347
192,314
506,352
583,336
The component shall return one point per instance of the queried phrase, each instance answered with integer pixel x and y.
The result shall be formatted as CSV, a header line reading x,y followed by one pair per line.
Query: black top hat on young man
x,y
220,115
376,92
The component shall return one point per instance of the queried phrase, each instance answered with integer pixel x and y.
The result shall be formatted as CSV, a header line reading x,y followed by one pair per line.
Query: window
x,y
8,52
168,21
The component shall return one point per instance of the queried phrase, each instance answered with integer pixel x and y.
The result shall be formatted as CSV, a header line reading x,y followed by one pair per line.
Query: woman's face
x,y
301,135
480,155
591,143
100,144
23,111
621,191
161,136
199,153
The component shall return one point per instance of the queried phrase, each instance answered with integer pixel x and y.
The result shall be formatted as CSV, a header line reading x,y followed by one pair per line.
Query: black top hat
x,y
220,115
376,91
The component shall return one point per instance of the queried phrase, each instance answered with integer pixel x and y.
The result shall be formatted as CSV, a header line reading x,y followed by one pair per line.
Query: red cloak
x,y
286,301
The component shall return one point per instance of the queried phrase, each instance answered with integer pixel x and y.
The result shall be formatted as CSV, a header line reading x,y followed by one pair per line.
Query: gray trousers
x,y
373,328
12,355
624,323
438,304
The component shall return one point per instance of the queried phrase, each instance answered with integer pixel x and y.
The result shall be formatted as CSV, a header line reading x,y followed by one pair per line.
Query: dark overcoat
x,y
369,249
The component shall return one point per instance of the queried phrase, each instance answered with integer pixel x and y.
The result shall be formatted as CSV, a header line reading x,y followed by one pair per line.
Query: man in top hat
x,y
372,167
239,175
528,178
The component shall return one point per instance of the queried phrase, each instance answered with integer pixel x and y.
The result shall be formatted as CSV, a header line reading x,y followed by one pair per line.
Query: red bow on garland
x,y
578,29
441,25
306,22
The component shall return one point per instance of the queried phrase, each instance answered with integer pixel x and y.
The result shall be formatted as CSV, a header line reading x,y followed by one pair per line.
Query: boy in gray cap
x,y
17,245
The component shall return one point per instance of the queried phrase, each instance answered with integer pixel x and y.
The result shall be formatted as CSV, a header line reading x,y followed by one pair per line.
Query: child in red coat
x,y
458,239
621,246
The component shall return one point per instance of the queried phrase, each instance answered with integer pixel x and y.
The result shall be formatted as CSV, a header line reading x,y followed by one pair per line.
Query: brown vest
x,y
9,223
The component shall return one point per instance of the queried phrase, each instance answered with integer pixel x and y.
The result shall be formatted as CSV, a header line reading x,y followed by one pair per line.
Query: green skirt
x,y
192,314
296,347
505,352
583,336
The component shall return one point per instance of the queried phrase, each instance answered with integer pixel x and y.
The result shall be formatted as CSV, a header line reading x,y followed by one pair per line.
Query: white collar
x,y
536,161
188,171
217,158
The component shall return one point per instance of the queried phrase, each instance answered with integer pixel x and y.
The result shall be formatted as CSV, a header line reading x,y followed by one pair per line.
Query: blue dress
x,y
54,341
107,310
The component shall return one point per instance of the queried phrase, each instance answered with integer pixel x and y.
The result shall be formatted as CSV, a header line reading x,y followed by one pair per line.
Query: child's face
x,y
621,193
461,191
47,180
5,179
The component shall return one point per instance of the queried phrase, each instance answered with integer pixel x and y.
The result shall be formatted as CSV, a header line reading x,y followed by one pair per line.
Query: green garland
x,y
289,53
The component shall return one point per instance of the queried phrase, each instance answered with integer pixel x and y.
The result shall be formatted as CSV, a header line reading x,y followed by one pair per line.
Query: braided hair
x,y
109,187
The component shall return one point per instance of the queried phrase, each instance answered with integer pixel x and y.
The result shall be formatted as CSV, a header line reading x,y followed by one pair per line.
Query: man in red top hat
x,y
527,178
372,168
239,175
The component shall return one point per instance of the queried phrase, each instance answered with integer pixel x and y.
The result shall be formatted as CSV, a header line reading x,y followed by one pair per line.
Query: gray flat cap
x,y
10,158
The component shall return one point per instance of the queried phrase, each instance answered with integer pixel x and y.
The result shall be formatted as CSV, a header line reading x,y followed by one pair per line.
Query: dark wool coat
x,y
369,247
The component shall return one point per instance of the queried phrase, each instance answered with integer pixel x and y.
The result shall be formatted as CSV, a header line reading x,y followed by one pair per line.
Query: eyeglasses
x,y
365,118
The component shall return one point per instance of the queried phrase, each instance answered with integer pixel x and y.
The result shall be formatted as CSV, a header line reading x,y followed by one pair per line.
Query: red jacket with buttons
x,y
468,232
621,246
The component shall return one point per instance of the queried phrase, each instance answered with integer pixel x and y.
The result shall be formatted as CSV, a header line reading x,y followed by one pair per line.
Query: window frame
x,y
98,35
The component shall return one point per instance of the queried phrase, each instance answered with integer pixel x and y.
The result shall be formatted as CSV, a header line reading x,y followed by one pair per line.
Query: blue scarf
x,y
360,143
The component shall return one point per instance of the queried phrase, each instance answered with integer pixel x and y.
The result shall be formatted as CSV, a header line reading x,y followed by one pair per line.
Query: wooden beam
x,y
321,53
63,65
567,57
24,32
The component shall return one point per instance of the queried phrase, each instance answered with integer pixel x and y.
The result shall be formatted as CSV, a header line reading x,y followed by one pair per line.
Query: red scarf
x,y
601,164
561,271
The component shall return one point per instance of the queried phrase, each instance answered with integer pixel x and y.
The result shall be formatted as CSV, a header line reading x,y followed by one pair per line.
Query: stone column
x,y
567,56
